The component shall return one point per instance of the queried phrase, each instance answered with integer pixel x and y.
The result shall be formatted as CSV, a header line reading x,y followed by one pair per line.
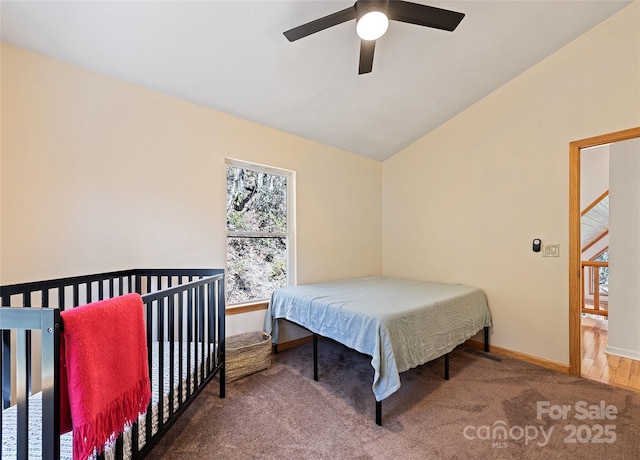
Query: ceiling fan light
x,y
372,25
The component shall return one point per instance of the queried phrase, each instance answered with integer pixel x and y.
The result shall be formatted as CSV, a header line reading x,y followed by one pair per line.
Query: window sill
x,y
240,308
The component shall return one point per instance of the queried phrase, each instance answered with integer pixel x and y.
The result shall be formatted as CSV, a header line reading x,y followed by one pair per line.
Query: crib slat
x,y
119,447
22,374
189,336
220,306
6,369
160,331
196,331
149,311
211,357
196,336
201,338
172,352
5,362
26,303
50,351
134,436
2,360
61,299
76,295
180,335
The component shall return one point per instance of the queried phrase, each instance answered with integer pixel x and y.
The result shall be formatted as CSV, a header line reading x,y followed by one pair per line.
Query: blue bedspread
x,y
400,323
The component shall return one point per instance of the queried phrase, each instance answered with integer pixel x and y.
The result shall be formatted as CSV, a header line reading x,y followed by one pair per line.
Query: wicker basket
x,y
246,354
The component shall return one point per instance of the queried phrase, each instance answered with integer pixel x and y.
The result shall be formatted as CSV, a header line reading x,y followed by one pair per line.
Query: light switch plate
x,y
551,250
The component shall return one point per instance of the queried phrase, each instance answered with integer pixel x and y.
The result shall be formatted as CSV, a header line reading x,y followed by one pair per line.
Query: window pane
x,y
256,201
604,257
255,267
604,273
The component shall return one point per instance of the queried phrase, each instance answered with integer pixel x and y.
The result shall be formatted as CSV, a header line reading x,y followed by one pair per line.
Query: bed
x,y
400,323
185,329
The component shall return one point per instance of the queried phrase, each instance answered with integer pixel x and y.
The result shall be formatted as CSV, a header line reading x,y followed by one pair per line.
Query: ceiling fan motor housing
x,y
365,6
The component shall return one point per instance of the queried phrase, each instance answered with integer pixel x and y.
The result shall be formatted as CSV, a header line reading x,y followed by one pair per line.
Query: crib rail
x,y
184,308
74,291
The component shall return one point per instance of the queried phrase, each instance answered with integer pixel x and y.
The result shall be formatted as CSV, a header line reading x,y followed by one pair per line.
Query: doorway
x,y
575,269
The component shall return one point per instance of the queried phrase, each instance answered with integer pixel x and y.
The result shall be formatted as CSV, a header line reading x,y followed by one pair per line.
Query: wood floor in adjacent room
x,y
597,365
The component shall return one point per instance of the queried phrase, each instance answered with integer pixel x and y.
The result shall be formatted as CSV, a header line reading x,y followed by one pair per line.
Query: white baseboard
x,y
622,352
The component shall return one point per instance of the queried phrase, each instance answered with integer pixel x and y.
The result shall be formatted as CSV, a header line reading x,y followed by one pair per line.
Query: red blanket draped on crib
x,y
105,382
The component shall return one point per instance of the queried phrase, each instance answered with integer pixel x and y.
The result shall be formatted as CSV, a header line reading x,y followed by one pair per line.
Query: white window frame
x,y
290,234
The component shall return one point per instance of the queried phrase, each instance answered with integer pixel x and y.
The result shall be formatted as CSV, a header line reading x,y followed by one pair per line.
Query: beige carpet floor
x,y
490,408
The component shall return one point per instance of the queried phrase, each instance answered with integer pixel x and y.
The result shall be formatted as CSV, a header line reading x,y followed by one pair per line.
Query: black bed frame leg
x,y
223,381
446,366
315,357
486,339
379,413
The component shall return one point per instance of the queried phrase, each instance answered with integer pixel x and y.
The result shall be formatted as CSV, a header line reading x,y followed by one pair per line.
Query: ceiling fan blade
x,y
367,47
320,24
424,15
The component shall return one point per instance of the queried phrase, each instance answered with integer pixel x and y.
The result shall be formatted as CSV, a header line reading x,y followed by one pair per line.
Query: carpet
x,y
491,408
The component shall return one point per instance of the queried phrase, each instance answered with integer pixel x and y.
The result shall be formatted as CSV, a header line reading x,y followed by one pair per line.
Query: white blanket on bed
x,y
401,324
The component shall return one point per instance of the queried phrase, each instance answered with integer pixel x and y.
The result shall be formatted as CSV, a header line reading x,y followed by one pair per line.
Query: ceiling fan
x,y
372,20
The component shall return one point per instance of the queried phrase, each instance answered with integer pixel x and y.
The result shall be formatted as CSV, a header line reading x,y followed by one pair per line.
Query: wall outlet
x,y
551,250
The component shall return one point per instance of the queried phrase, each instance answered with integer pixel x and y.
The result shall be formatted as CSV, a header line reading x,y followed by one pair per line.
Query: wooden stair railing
x,y
595,202
598,307
595,240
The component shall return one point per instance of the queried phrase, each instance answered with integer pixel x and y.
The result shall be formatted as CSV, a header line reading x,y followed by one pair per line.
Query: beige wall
x,y
99,175
594,174
463,203
0,166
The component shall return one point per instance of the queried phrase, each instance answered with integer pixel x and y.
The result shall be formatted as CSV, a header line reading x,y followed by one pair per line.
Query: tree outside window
x,y
603,273
259,232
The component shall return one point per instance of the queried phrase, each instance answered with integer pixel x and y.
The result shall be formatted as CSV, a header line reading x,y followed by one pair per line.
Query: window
x,y
603,273
260,231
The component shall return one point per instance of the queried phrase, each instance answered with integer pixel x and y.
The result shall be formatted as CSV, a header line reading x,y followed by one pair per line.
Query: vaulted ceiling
x,y
231,56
